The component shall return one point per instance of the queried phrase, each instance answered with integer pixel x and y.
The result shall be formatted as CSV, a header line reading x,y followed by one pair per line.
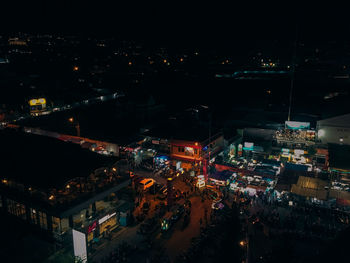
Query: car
x,y
146,183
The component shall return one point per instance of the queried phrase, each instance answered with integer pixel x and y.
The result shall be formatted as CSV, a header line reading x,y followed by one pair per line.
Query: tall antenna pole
x,y
293,71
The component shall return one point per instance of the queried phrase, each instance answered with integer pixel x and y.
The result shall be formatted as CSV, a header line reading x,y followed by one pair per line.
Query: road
x,y
175,241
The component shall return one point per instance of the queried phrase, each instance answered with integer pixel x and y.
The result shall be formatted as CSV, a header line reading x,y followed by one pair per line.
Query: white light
x,y
321,133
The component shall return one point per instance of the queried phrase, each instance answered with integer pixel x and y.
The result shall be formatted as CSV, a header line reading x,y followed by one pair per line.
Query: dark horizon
x,y
214,25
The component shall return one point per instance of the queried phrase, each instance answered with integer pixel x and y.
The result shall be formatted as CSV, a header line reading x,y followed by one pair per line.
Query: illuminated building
x,y
334,130
37,106
15,41
189,146
58,187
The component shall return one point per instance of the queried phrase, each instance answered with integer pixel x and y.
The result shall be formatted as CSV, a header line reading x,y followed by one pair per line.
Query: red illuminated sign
x,y
92,227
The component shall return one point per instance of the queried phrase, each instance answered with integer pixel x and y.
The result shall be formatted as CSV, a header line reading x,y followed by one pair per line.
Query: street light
x,y
77,125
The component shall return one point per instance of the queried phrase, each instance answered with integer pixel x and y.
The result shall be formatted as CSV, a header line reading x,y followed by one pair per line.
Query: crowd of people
x,y
303,221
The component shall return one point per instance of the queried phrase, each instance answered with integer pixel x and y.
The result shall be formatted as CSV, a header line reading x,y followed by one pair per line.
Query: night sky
x,y
213,23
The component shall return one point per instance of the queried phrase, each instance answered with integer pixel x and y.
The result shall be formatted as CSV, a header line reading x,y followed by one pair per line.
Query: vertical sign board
x,y
240,147
79,243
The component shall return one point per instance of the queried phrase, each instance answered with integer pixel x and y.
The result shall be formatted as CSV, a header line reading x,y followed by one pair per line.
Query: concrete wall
x,y
331,134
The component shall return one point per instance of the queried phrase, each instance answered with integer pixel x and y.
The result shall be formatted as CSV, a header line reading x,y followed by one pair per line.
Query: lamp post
x,y
77,125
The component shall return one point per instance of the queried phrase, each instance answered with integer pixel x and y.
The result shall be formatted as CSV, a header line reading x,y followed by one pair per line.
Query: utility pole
x,y
77,126
293,71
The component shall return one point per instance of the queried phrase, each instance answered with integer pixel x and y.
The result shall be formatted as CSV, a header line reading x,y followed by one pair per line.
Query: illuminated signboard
x,y
297,125
35,102
189,151
240,149
248,146
285,150
105,218
79,244
92,227
200,181
299,152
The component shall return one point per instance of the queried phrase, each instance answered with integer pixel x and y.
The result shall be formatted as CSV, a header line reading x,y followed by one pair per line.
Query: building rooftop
x,y
182,130
339,156
43,162
310,187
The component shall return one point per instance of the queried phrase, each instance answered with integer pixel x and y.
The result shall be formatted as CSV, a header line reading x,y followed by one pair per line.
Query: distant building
x,y
15,41
334,130
37,106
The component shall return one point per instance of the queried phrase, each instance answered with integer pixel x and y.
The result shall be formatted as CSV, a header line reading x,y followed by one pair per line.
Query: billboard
x,y
299,152
240,149
36,102
79,244
297,125
248,146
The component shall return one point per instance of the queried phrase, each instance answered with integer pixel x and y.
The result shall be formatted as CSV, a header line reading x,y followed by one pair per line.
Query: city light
x,y
70,119
75,68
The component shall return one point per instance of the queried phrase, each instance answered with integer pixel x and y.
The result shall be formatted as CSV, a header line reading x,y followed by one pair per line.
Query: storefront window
x,y
16,209
42,220
108,223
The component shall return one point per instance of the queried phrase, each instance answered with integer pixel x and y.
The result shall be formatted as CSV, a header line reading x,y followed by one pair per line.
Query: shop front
x,y
99,228
107,224
161,161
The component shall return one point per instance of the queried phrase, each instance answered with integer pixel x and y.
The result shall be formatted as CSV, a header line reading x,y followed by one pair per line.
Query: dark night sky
x,y
174,21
